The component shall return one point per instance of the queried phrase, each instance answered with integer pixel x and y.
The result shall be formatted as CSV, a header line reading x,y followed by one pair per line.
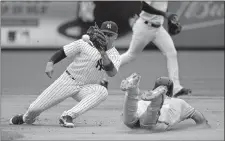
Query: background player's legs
x,y
142,35
130,117
58,91
165,43
89,97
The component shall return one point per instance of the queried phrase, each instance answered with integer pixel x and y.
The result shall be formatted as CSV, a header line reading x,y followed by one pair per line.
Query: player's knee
x,y
172,53
149,119
131,124
128,124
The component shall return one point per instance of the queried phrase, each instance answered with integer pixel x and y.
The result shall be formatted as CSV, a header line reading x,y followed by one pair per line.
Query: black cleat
x,y
104,83
17,120
66,121
182,92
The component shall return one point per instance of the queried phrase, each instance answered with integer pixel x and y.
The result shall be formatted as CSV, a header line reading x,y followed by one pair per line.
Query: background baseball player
x,y
148,28
94,56
155,109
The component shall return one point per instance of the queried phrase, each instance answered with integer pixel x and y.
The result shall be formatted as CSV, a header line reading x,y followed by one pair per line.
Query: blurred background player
x,y
80,80
148,28
155,109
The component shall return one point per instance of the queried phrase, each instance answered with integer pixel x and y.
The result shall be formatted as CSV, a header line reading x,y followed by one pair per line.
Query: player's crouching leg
x,y
89,97
32,113
29,117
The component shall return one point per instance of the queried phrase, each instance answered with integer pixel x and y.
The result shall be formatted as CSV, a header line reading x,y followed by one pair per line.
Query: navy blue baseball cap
x,y
110,27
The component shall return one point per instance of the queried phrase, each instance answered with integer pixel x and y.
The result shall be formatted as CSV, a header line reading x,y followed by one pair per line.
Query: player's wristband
x,y
109,67
58,56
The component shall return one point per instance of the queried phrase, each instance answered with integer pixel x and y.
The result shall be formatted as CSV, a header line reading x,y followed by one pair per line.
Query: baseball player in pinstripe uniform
x,y
81,79
155,109
148,28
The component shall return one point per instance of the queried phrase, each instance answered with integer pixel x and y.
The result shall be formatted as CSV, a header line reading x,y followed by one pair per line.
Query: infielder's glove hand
x,y
174,26
97,37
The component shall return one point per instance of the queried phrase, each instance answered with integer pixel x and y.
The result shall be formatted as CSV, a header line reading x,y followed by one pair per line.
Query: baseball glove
x,y
97,37
174,26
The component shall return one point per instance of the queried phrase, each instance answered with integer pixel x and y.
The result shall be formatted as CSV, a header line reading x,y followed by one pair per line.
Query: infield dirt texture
x,y
23,78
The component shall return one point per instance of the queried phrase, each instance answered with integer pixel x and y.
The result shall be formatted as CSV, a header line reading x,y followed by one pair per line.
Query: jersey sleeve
x,y
148,2
114,56
73,48
187,111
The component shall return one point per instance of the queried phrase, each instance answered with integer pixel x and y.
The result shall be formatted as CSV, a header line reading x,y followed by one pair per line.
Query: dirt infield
x,y
203,72
104,122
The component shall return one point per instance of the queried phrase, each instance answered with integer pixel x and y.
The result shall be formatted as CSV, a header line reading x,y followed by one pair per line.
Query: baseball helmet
x,y
165,81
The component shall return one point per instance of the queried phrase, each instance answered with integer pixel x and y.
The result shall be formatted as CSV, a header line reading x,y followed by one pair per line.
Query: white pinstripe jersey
x,y
86,67
174,110
159,5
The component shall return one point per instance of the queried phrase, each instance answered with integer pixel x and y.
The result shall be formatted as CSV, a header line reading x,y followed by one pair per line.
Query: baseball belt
x,y
153,24
70,74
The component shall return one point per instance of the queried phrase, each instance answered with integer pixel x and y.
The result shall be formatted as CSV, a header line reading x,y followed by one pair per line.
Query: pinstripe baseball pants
x,y
88,96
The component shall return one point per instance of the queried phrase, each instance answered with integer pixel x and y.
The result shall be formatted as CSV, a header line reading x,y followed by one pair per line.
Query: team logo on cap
x,y
109,26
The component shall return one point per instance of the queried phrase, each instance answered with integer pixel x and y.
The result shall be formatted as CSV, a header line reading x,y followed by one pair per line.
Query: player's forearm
x,y
58,56
149,9
198,117
108,65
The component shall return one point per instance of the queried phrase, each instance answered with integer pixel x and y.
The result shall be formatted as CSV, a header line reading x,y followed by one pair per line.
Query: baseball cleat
x,y
66,121
152,95
183,91
130,82
17,119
